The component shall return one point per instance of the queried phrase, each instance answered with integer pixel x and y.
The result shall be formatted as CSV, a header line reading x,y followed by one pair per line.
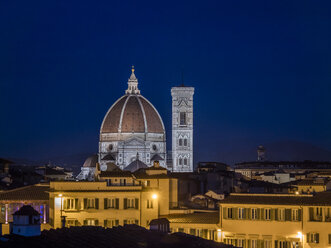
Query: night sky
x,y
261,71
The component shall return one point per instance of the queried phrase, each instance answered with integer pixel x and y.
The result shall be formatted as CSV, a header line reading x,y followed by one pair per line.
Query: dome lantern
x,y
132,84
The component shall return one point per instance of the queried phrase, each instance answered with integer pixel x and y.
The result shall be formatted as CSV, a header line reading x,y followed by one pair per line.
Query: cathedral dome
x,y
132,113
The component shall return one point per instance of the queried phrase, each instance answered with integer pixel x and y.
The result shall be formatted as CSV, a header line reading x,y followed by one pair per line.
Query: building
x,y
276,220
201,224
116,198
313,185
250,169
88,169
182,128
12,200
131,125
26,222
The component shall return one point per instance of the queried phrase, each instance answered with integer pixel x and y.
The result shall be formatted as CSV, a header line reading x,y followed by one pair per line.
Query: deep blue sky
x,y
261,70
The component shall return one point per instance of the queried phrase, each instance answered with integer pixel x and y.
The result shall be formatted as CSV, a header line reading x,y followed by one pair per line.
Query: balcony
x,y
317,218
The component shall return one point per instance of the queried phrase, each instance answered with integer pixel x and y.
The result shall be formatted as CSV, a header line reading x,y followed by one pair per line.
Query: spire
x,y
132,84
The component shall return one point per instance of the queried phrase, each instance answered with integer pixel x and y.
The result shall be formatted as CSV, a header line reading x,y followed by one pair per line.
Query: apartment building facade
x,y
276,220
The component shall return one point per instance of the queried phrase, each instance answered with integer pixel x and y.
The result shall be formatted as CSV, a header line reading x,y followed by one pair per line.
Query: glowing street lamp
x,y
154,196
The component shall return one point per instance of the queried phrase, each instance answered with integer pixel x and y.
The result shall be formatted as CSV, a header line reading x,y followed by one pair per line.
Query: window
x,y
253,243
254,213
313,238
295,214
130,203
328,214
329,239
185,142
281,214
180,161
123,181
130,222
230,216
267,214
91,222
71,222
91,203
267,244
150,203
240,213
148,183
192,231
111,203
185,161
70,204
240,243
111,223
182,118
108,182
180,142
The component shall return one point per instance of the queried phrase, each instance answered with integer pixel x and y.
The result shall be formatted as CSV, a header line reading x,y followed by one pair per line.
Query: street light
x,y
154,196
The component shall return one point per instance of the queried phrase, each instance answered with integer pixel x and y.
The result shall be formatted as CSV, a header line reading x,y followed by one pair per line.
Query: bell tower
x,y
182,128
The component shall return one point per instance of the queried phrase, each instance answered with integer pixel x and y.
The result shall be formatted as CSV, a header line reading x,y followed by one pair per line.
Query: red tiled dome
x,y
132,113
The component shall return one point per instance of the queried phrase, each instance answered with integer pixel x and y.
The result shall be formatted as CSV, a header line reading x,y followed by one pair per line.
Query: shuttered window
x,y
254,213
111,203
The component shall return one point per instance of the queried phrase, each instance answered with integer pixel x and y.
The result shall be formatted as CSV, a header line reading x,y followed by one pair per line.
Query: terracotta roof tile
x,y
33,192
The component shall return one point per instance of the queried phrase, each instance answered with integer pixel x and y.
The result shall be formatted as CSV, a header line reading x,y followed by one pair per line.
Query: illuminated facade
x,y
182,129
276,221
132,126
119,198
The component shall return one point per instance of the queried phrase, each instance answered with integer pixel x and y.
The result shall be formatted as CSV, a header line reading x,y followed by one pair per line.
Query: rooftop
x,y
38,192
202,218
319,199
130,236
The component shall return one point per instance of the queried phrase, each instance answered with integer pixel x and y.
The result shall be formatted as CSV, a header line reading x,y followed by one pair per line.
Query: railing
x,y
316,218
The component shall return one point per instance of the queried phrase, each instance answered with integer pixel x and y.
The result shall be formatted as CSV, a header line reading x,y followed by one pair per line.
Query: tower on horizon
x,y
182,128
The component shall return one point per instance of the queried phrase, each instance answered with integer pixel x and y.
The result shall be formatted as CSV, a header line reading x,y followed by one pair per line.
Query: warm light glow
x,y
219,230
57,201
296,192
60,195
299,235
154,196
